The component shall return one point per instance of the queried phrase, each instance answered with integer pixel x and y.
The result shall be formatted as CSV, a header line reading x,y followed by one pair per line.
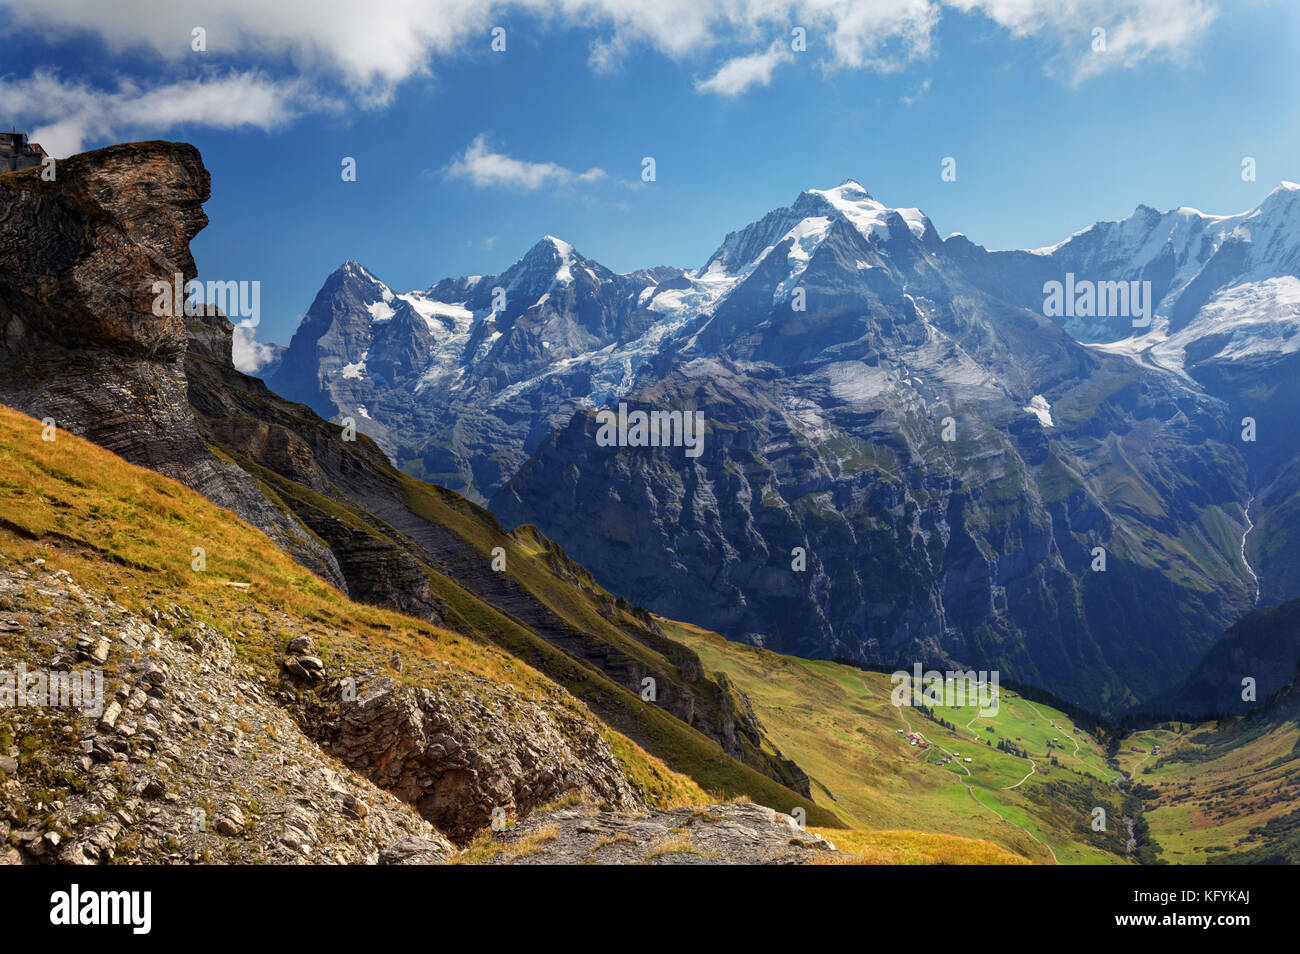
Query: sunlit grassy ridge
x,y
130,531
918,848
133,533
839,723
568,591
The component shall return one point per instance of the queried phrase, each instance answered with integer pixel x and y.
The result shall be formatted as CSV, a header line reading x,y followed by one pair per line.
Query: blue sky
x,y
465,156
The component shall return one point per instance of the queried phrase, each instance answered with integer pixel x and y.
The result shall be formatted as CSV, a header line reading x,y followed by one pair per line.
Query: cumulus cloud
x,y
739,74
374,46
1135,30
247,353
363,51
369,44
881,36
485,169
85,113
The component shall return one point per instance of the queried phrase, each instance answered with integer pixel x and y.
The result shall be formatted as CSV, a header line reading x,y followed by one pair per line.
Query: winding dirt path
x,y
970,788
1033,767
1050,851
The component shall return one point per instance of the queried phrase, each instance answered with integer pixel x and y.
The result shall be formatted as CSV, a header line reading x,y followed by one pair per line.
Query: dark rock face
x,y
79,258
933,567
80,342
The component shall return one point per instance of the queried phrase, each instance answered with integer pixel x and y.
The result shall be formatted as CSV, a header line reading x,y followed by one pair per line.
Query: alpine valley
x,y
908,454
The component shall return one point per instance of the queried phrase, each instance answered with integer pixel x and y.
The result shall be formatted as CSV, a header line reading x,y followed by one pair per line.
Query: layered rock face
x,y
79,259
80,342
459,753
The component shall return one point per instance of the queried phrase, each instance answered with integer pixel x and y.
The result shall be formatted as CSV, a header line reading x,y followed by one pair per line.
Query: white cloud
x,y
84,113
739,74
881,35
1136,30
370,48
247,353
485,169
374,46
371,45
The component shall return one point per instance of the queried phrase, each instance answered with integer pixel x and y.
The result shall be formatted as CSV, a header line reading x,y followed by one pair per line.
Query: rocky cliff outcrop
x,y
80,343
188,758
464,752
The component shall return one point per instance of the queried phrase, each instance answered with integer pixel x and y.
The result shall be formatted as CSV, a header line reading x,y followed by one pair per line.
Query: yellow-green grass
x,y
917,848
1169,739
1043,732
565,589
1202,806
840,725
130,531
487,846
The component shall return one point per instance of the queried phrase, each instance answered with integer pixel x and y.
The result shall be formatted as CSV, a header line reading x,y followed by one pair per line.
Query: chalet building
x,y
17,153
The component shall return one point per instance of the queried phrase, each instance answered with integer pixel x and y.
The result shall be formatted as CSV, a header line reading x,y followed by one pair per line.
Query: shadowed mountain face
x,y
909,456
82,345
1257,656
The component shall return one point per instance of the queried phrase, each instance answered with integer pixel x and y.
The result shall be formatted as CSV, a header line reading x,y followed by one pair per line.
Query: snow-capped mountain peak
x,y
373,293
352,270
869,216
564,249
806,223
552,259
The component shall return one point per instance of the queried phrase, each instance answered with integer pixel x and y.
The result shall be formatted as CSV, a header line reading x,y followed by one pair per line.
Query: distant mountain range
x,y
944,449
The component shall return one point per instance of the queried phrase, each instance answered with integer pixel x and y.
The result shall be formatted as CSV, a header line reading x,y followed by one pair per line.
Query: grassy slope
x,y
128,530
1212,784
682,748
839,724
131,531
